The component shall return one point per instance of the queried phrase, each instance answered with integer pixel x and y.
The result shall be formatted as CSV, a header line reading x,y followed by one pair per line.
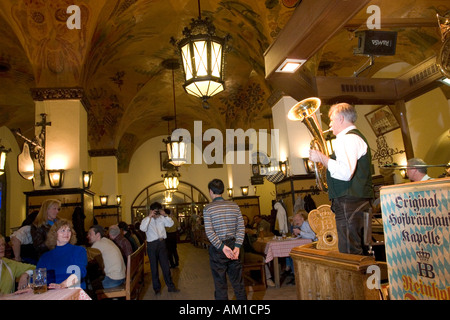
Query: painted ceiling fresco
x,y
117,55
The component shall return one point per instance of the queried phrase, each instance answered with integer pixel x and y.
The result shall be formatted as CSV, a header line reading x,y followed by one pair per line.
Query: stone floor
x,y
193,278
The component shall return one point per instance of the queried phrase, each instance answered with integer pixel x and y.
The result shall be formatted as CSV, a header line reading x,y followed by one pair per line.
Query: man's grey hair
x,y
418,161
346,110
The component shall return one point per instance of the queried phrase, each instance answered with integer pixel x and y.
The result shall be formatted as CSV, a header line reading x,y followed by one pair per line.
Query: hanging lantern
x,y
202,55
176,150
168,196
171,180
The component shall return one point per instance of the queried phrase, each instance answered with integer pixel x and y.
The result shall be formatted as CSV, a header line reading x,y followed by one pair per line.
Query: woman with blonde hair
x,y
46,217
65,259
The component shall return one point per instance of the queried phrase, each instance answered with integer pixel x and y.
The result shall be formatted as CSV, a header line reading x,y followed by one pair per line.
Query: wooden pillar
x,y
399,111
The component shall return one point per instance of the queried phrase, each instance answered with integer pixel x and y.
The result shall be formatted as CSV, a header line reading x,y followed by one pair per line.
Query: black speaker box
x,y
376,43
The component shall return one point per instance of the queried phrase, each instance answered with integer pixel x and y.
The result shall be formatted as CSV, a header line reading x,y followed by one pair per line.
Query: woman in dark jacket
x,y
41,225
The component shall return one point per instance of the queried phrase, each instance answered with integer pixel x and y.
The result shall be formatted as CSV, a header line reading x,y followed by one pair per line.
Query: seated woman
x,y
64,257
10,270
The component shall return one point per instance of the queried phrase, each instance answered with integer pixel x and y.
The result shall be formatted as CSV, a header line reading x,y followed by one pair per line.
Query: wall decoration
x,y
382,120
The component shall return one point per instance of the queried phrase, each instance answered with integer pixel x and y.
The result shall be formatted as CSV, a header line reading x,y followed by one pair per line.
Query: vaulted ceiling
x,y
117,56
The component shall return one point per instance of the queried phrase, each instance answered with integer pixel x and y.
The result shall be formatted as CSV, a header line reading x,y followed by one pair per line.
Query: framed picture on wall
x,y
164,160
382,121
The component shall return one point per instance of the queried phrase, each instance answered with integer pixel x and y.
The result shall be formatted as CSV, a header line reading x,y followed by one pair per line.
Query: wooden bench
x,y
134,278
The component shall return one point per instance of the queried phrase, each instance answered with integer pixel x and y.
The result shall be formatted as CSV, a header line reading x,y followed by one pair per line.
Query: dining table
x,y
277,247
51,294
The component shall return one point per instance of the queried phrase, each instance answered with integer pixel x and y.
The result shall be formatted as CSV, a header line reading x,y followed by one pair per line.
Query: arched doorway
x,y
187,203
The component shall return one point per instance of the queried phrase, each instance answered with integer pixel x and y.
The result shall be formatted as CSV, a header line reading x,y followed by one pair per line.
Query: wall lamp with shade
x,y
329,139
202,55
309,165
36,148
118,199
104,200
244,190
404,174
3,153
87,179
56,178
230,192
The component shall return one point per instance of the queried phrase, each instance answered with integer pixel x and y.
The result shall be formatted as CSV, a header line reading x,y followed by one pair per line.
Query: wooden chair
x,y
134,278
255,262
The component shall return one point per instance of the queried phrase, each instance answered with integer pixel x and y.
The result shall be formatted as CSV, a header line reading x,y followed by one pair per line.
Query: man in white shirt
x,y
115,269
349,177
418,173
154,226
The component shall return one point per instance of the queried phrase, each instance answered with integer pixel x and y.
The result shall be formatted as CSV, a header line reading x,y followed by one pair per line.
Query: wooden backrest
x,y
135,270
323,223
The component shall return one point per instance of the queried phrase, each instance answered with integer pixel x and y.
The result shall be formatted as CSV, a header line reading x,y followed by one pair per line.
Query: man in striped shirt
x,y
225,230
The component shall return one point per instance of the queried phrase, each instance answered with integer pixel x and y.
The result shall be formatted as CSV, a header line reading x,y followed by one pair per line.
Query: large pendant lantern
x,y
202,55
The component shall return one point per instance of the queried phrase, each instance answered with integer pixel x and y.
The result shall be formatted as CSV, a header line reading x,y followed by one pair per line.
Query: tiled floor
x,y
193,278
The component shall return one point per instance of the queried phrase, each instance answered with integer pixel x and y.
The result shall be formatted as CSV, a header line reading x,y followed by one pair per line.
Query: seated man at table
x,y
118,238
114,266
262,226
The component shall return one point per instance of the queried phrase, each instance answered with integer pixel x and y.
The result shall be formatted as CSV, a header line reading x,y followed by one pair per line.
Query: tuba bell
x,y
305,111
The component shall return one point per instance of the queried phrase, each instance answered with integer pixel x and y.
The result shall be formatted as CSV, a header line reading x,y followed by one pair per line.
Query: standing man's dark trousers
x,y
220,267
171,244
349,214
157,253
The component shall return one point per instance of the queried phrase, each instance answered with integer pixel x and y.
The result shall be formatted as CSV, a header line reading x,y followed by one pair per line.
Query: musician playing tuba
x,y
349,177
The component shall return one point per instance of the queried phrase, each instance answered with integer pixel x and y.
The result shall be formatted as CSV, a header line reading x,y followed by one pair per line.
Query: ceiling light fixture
x,y
171,180
176,150
290,65
202,55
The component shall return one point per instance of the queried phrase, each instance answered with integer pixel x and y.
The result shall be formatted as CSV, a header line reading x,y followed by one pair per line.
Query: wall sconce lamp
x,y
283,166
309,165
403,173
230,192
118,199
87,179
330,142
244,190
56,177
37,146
104,200
3,153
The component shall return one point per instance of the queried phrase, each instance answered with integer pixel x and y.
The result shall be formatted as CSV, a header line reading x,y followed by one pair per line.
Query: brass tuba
x,y
305,111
